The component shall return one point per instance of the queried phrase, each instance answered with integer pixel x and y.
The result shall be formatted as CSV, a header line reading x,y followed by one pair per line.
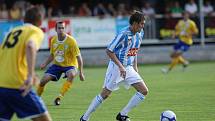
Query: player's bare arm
x,y
117,62
47,61
31,57
80,66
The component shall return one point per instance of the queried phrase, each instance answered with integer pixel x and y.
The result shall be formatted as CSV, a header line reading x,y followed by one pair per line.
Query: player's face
x,y
139,26
60,29
186,16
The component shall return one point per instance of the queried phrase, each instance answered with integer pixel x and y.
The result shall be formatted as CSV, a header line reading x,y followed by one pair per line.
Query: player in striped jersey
x,y
122,67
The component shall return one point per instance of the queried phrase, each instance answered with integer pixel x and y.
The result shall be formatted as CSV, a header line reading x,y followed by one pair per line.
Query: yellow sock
x,y
181,60
40,90
65,88
174,63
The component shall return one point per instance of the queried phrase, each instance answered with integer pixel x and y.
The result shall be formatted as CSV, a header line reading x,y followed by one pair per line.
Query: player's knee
x,y
105,94
70,77
44,81
144,91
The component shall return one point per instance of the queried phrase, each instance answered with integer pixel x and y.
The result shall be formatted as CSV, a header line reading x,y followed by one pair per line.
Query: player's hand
x,y
27,86
42,66
81,76
122,72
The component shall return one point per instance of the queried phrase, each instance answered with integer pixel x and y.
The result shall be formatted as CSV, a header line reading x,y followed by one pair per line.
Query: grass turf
x,y
190,94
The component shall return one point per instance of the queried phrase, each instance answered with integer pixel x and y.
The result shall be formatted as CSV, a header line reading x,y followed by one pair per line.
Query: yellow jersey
x,y
185,29
65,51
13,63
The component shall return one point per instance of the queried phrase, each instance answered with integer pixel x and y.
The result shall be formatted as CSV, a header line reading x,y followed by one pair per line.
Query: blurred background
x,y
94,24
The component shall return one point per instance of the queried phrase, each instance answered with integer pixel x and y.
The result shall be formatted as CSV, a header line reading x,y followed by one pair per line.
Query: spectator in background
x,y
100,10
53,8
21,4
176,9
167,12
42,9
15,12
191,8
3,11
121,11
148,10
208,8
84,10
111,10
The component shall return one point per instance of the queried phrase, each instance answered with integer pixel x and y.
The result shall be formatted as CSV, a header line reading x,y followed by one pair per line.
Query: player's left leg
x,y
70,74
178,50
182,60
175,61
138,97
133,79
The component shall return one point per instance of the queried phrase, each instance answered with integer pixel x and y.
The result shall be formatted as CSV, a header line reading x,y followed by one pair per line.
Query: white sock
x,y
94,104
134,101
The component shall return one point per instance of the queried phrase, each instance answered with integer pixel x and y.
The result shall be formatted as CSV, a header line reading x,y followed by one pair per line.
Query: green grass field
x,y
190,94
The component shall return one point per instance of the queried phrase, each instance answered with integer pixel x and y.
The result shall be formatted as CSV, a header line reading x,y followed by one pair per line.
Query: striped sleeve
x,y
115,42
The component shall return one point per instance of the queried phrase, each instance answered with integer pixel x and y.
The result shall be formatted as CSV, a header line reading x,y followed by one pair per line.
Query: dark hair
x,y
59,22
33,16
137,16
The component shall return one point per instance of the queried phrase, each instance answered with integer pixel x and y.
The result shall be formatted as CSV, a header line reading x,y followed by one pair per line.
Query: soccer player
x,y
17,74
66,57
122,67
184,29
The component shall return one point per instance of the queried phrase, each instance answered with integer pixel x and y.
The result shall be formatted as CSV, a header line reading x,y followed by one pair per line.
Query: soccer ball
x,y
168,115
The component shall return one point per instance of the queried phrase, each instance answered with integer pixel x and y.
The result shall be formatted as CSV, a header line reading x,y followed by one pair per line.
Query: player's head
x,y
137,21
33,16
186,15
60,27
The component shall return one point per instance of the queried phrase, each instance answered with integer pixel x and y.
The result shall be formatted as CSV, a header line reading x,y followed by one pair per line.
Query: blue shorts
x,y
11,102
56,71
181,46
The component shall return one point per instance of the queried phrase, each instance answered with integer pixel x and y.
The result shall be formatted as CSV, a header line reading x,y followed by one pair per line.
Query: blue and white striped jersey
x,y
126,45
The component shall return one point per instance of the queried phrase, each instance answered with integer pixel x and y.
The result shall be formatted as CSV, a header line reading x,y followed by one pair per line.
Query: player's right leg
x,y
46,78
96,102
53,73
